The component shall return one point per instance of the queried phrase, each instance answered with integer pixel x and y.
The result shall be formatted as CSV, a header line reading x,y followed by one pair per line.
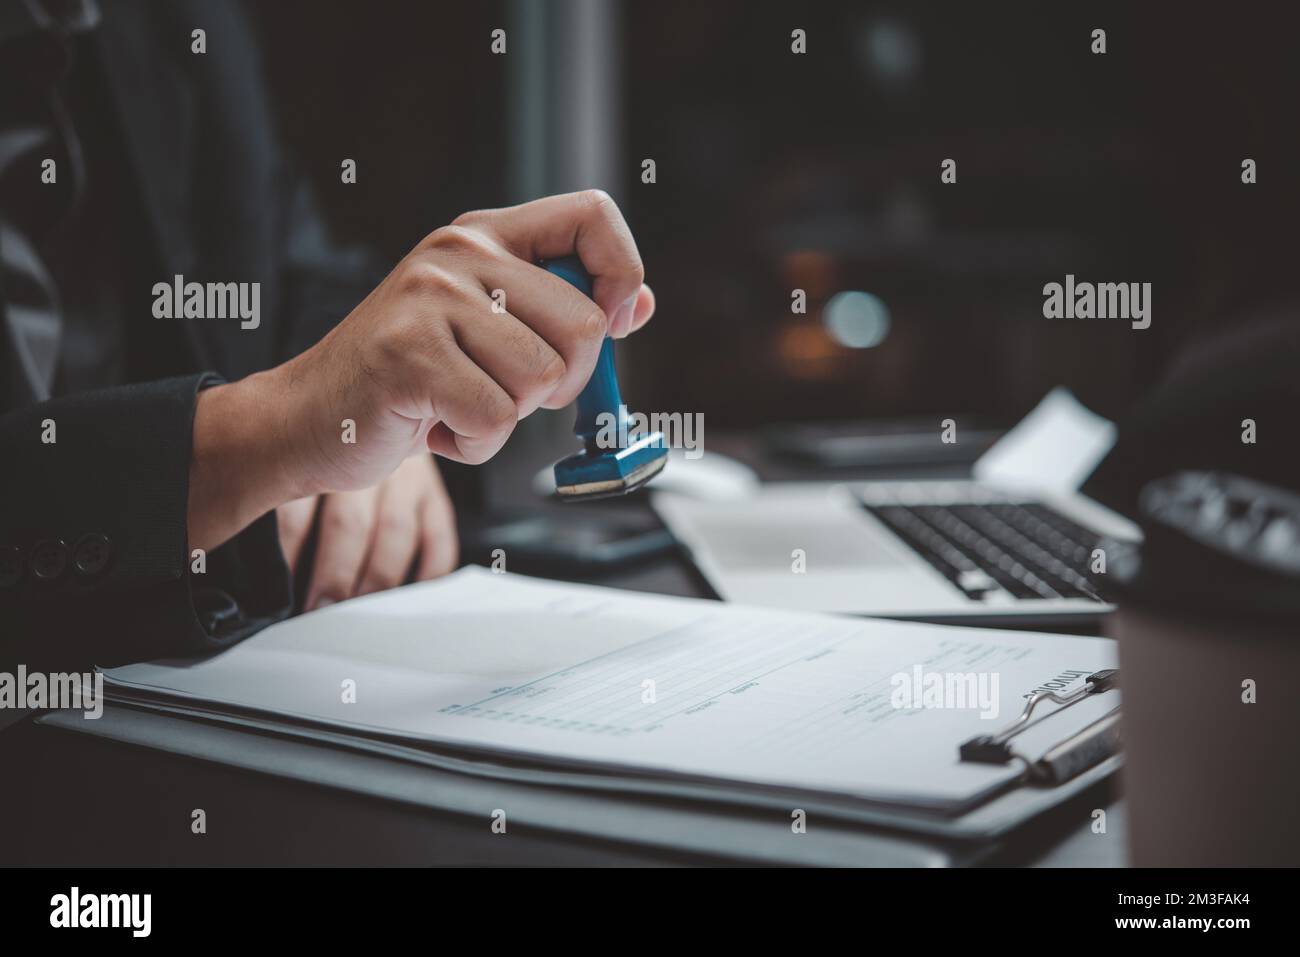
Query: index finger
x,y
588,223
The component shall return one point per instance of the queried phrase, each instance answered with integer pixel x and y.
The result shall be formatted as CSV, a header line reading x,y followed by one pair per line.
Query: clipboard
x,y
1068,758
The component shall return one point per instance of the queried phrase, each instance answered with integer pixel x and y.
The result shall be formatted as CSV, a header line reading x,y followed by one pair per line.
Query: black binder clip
x,y
1062,761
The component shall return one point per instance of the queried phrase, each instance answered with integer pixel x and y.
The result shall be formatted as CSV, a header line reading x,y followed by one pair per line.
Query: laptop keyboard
x,y
1028,551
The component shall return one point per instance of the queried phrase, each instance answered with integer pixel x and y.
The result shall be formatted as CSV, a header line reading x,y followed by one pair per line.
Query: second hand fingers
x,y
439,545
294,521
396,537
347,522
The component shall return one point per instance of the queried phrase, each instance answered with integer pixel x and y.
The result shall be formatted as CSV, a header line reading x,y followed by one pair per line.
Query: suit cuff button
x,y
50,559
92,554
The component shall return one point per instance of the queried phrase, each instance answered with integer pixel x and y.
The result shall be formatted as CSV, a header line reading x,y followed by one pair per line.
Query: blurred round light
x,y
858,320
891,51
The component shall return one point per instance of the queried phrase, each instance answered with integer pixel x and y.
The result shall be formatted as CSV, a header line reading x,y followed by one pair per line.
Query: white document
x,y
653,685
1052,450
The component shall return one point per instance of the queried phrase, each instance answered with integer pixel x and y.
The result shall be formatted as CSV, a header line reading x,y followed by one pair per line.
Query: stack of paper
x,y
653,687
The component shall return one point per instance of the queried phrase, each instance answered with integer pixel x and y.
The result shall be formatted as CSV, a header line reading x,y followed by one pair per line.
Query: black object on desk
x,y
573,543
1209,611
896,444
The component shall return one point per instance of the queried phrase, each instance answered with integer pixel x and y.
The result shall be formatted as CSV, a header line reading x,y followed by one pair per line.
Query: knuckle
x,y
333,580
636,268
475,457
592,324
497,413
335,583
378,579
501,415
551,372
599,201
394,349
422,277
470,217
345,521
459,238
391,524
449,237
601,205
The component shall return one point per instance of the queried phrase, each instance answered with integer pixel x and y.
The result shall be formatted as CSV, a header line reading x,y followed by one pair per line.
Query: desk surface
x,y
110,799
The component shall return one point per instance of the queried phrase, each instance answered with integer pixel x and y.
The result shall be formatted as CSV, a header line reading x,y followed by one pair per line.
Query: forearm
x,y
243,463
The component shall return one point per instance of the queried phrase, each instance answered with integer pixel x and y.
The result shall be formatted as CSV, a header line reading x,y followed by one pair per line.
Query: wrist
x,y
242,462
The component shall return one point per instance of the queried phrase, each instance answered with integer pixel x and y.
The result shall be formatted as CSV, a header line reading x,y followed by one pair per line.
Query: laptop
x,y
1017,544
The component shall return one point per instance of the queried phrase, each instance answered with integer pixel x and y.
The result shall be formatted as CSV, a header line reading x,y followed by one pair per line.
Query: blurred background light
x,y
890,51
856,319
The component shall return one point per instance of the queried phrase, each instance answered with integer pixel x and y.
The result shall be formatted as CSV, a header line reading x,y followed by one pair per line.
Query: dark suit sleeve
x,y
94,560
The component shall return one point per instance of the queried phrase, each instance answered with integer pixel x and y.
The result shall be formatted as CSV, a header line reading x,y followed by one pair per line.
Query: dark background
x,y
821,171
